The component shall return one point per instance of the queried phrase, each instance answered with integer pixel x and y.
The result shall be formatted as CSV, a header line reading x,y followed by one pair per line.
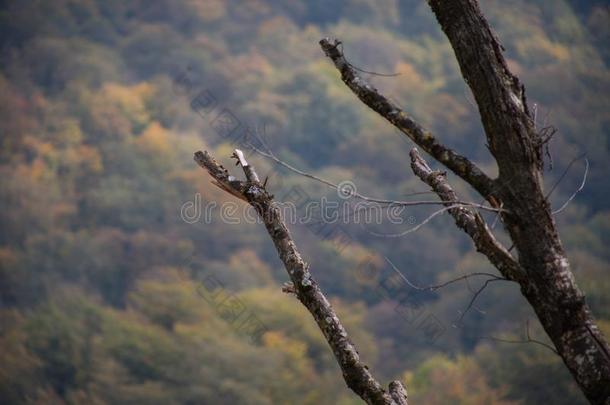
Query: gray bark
x,y
543,270
355,373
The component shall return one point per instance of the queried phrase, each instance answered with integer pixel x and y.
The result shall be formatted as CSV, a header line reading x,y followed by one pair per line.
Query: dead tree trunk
x,y
355,373
542,268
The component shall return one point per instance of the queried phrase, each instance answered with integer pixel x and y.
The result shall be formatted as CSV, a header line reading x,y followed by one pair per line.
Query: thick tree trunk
x,y
543,271
514,142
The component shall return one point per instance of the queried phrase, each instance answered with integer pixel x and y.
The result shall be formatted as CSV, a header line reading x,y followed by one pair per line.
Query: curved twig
x,y
476,295
525,341
268,154
579,189
439,286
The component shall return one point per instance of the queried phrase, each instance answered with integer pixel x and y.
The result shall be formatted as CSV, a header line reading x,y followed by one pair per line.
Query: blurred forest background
x,y
101,280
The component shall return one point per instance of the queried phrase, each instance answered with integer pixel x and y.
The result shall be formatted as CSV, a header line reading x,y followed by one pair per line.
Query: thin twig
x,y
416,227
469,286
439,286
367,71
476,295
582,185
355,194
563,174
527,340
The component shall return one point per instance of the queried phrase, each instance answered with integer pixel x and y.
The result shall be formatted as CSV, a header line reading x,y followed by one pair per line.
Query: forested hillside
x,y
124,277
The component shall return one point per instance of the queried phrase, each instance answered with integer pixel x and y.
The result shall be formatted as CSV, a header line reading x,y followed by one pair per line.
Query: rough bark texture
x,y
514,142
355,372
468,220
369,95
548,283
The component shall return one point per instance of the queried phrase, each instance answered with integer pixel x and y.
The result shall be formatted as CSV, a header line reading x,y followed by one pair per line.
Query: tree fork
x,y
548,283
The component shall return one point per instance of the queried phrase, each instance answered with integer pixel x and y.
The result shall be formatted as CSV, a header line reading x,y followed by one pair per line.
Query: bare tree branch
x,y
355,372
459,164
470,222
